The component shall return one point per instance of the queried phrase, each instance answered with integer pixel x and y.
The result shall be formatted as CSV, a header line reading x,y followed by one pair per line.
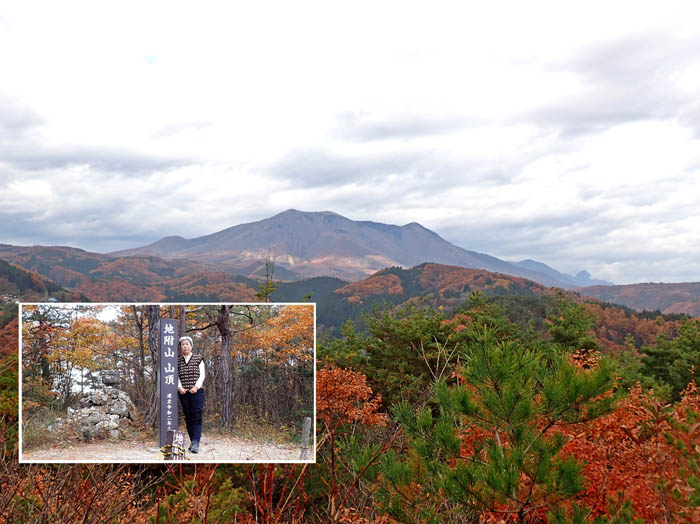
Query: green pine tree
x,y
674,361
510,401
572,325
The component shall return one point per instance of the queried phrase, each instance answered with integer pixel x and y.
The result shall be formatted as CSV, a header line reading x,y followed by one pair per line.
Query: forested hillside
x,y
501,408
102,278
28,285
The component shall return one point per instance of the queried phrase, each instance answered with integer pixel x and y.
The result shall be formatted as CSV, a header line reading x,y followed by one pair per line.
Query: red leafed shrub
x,y
343,396
631,452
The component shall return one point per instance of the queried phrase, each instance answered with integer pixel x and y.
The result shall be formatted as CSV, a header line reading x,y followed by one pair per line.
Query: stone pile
x,y
103,413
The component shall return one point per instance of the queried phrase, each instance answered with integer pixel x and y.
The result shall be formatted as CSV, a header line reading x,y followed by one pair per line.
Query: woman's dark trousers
x,y
192,407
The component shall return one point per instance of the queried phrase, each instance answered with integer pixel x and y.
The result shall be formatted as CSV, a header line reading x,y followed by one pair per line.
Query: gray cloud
x,y
176,128
16,119
21,150
647,57
418,170
110,160
509,237
691,119
366,128
96,211
92,234
621,245
623,80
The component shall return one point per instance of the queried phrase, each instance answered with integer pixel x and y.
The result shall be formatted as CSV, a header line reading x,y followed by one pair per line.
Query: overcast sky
x,y
569,135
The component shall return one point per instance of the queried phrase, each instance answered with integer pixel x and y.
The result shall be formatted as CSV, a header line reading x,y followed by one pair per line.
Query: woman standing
x,y
189,386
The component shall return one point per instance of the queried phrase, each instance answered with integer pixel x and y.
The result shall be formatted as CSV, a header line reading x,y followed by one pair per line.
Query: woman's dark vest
x,y
188,371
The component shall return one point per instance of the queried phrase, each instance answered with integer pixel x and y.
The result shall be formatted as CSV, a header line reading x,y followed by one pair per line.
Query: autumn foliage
x,y
616,329
8,389
73,493
290,334
343,397
9,338
523,426
630,454
441,284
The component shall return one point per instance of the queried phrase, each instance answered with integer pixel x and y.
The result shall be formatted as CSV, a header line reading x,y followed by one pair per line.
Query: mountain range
x,y
103,278
319,252
309,244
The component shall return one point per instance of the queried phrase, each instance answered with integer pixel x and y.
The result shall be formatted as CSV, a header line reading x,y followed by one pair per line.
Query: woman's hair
x,y
182,339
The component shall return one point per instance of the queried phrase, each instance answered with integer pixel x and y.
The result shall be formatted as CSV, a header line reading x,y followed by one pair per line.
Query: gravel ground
x,y
212,449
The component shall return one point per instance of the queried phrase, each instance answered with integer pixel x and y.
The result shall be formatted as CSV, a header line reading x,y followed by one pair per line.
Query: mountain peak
x,y
175,238
293,212
288,213
419,227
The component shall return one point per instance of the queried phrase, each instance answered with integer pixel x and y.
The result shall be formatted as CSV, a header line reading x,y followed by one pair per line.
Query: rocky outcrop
x,y
103,413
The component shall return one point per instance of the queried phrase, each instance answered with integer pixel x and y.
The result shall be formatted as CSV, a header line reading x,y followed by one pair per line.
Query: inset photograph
x,y
167,382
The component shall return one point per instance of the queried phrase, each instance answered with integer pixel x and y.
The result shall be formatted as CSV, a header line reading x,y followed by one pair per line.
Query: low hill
x,y
66,266
667,298
441,285
434,285
70,267
525,302
28,285
103,278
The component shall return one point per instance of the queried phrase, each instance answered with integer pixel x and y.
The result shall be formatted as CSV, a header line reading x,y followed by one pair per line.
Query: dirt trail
x,y
214,448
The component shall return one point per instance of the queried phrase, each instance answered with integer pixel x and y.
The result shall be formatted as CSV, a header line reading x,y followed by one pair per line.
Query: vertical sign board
x,y
167,385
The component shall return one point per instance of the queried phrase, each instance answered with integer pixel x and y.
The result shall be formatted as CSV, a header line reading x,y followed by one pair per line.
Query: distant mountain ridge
x,y
582,278
309,244
668,298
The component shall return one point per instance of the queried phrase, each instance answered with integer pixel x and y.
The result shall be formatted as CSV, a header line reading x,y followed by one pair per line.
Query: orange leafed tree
x,y
343,398
8,388
73,493
8,338
630,453
290,334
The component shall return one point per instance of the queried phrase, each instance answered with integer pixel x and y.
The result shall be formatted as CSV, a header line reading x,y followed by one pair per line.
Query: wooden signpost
x,y
167,385
305,439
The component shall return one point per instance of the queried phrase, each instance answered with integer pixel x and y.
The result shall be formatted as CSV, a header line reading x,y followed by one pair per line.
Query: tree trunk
x,y
183,324
153,343
139,317
223,323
